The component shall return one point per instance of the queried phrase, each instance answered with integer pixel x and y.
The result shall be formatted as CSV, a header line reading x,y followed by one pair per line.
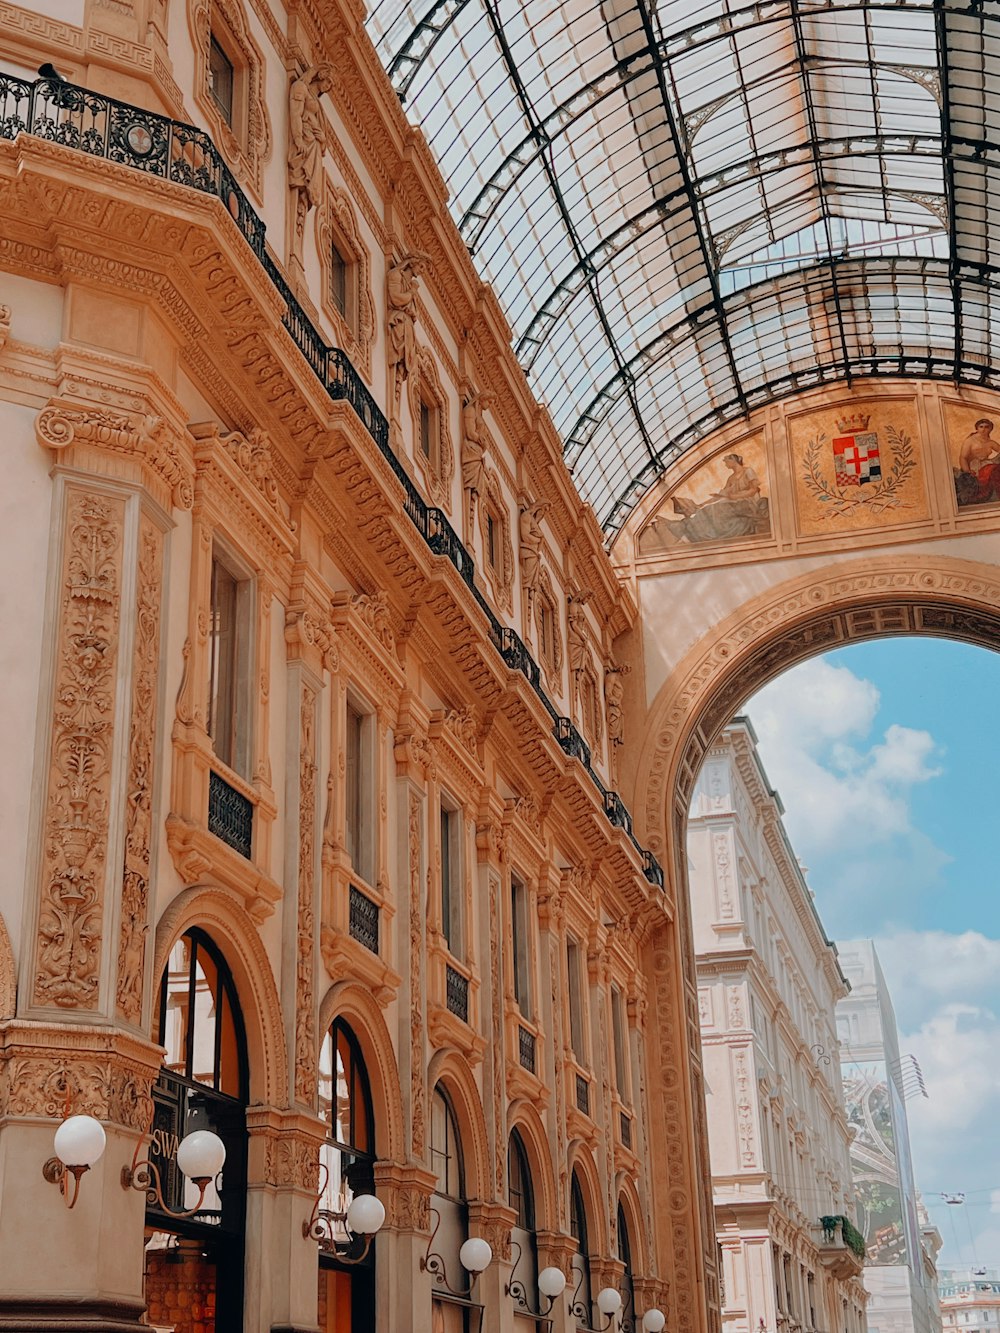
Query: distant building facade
x,y
768,985
900,1269
970,1299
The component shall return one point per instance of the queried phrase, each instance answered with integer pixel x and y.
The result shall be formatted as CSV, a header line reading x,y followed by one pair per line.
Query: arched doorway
x,y
194,1267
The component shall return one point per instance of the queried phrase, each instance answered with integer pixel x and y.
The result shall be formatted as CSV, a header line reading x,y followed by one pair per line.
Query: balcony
x,y
841,1247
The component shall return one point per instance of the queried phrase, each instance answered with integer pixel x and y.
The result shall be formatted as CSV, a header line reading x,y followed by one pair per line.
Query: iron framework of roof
x,y
689,208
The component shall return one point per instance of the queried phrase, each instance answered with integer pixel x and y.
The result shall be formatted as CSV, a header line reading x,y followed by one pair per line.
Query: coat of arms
x,y
865,475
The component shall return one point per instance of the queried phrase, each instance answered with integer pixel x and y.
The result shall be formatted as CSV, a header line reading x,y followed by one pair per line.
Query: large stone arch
x,y
223,917
358,1008
874,596
451,1069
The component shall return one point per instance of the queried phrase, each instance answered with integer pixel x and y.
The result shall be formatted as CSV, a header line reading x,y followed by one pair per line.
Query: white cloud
x,y
838,795
946,991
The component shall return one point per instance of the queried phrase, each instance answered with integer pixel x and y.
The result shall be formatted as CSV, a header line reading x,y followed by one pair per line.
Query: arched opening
x,y
521,1197
882,598
627,1287
581,1305
451,1309
194,1267
347,1168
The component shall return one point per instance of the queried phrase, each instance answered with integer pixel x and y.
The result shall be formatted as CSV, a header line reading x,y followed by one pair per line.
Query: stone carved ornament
x,y
306,142
402,283
305,1017
373,608
251,454
139,797
577,630
59,426
4,325
473,449
531,539
79,778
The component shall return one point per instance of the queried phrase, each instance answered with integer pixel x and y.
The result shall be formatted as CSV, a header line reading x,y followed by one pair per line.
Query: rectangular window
x,y
491,540
229,667
426,423
575,1000
359,801
519,937
618,1036
220,79
451,889
339,270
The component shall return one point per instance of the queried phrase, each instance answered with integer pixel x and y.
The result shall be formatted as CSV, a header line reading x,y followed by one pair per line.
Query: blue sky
x,y
884,756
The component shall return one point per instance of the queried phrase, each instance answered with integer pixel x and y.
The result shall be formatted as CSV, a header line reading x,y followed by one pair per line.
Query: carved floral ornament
x,y
251,453
60,425
74,858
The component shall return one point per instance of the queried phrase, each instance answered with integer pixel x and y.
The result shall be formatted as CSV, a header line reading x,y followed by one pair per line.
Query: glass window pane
x,y
203,1028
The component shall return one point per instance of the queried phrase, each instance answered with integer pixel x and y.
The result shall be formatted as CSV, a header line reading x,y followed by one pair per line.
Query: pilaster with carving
x,y
81,752
134,923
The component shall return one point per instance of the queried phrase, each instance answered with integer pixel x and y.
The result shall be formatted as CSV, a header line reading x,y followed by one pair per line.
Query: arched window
x,y
524,1274
195,1265
627,1288
451,1220
347,1162
582,1309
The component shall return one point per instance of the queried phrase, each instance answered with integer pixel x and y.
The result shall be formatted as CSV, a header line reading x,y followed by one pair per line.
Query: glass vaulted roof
x,y
690,207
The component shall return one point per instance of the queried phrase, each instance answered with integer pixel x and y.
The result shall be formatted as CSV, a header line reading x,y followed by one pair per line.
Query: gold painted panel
x,y
725,500
858,465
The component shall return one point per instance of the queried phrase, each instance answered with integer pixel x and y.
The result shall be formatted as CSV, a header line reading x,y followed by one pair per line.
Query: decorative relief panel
x,y
63,424
305,968
139,793
417,1091
75,830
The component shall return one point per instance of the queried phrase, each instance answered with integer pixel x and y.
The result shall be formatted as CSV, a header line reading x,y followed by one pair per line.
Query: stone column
x,y
284,1179
403,1298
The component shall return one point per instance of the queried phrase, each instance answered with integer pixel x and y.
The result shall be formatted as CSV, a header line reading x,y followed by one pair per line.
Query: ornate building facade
x,y
768,986
314,834
349,737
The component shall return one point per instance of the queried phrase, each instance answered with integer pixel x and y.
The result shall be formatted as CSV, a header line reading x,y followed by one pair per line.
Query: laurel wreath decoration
x,y
878,498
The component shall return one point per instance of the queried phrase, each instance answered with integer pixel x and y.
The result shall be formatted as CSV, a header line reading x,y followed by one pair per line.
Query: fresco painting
x,y
974,447
724,500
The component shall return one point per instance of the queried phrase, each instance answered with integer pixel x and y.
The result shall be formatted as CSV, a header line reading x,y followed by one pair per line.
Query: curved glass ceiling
x,y
691,207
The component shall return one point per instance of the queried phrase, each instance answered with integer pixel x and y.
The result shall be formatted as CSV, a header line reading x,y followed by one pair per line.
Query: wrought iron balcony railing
x,y
363,919
100,126
230,815
457,993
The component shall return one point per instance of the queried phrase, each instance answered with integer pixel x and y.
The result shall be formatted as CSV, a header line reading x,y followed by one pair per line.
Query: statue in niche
x,y
531,538
474,449
402,283
576,630
306,142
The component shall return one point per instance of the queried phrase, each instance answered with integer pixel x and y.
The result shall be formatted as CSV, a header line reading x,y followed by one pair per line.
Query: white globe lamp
x,y
653,1321
365,1215
201,1155
552,1282
80,1141
609,1301
476,1255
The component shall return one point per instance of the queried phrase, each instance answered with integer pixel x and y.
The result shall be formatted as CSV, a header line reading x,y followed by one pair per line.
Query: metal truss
x,y
687,215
